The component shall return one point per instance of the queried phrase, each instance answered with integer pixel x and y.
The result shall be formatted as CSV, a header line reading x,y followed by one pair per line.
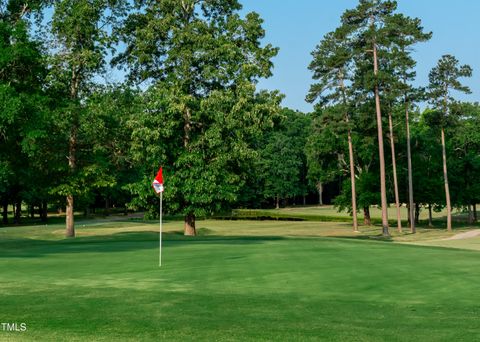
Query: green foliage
x,y
443,78
22,106
465,155
281,166
191,104
202,111
326,146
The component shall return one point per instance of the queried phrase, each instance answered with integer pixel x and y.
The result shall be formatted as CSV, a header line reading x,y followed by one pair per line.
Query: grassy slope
x,y
106,285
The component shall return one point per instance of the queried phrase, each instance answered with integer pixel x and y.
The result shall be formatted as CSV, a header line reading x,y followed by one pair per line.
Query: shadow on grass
x,y
118,242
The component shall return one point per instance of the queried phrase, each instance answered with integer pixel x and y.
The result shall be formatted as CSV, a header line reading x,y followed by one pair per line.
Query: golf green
x,y
219,288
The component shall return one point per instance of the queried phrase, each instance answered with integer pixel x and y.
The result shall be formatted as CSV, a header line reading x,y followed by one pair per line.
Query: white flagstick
x,y
160,235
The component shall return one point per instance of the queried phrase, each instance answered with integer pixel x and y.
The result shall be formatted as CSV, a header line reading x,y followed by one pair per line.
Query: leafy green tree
x,y
282,157
465,159
106,137
202,61
443,78
22,75
426,152
325,148
81,35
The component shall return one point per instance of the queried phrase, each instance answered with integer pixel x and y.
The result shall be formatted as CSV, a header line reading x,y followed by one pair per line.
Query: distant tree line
x,y
71,138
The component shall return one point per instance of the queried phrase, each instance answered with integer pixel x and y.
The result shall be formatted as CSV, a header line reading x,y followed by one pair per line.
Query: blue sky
x,y
296,27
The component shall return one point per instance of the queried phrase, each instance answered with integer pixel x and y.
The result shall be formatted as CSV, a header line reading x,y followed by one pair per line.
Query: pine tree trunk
x,y
470,214
5,212
107,206
18,211
189,225
475,212
320,193
430,220
408,214
14,214
277,202
445,178
366,216
70,232
394,165
383,187
352,181
410,172
417,213
351,162
44,211
189,221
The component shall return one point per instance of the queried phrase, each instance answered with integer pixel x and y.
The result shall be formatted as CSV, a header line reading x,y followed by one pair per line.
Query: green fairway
x,y
270,281
330,212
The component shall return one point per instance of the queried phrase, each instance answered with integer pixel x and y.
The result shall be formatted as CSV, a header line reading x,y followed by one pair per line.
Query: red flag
x,y
158,181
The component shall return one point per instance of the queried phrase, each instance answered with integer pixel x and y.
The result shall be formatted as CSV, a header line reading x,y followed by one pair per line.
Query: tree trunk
x,y
417,213
410,173
352,181
394,165
366,216
352,163
383,187
43,211
277,202
70,232
5,212
445,178
320,193
17,208
408,214
72,153
189,221
304,200
189,225
430,220
474,212
470,214
32,211
107,206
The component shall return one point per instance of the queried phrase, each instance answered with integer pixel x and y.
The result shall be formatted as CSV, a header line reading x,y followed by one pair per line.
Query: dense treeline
x,y
72,140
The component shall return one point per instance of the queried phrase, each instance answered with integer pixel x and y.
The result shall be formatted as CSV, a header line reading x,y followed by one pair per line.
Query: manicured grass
x,y
239,281
328,212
